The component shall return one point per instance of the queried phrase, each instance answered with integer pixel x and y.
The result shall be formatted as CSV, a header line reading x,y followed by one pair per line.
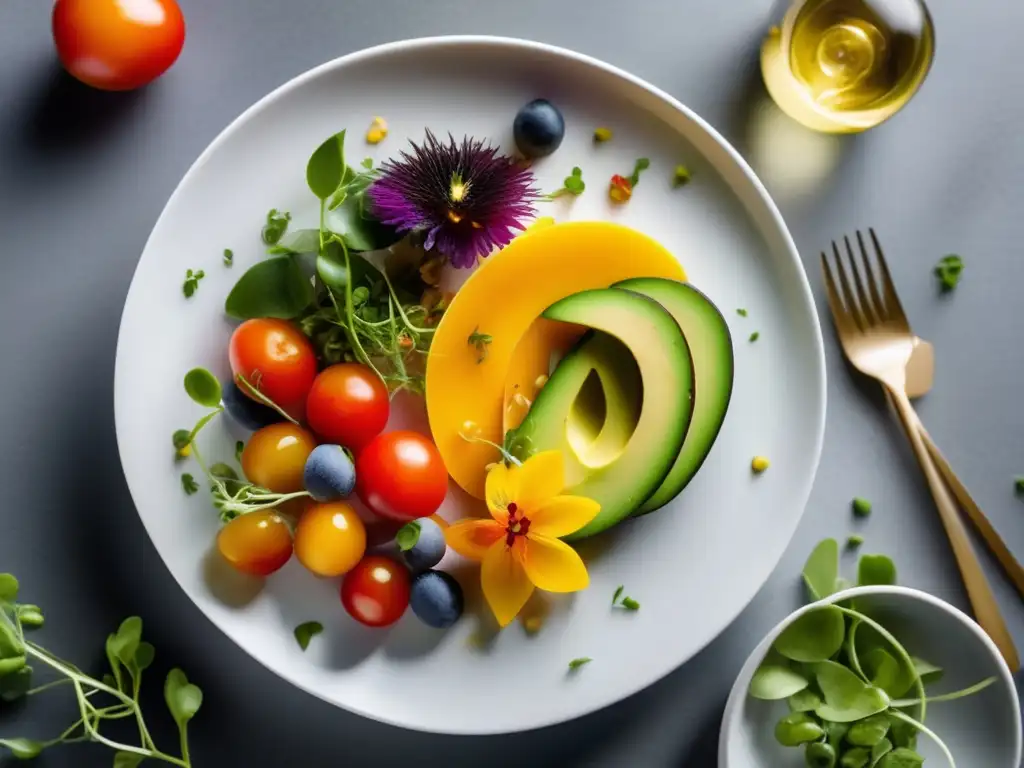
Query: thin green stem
x,y
184,745
952,696
927,732
265,400
46,687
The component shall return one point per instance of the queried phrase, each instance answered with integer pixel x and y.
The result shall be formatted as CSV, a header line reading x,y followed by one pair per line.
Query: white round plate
x,y
693,566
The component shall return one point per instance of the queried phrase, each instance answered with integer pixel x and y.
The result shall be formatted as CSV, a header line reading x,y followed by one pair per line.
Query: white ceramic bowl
x,y
983,731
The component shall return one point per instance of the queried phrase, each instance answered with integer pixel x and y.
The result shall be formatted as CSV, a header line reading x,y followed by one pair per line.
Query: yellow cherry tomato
x,y
330,538
258,543
275,457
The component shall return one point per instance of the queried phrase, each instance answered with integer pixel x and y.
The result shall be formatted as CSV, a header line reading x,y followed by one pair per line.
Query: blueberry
x,y
429,546
436,599
245,410
538,128
329,474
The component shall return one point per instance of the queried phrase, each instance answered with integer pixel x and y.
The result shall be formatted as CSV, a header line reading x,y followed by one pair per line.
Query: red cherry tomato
x,y
117,45
400,475
376,591
275,457
348,405
258,543
275,358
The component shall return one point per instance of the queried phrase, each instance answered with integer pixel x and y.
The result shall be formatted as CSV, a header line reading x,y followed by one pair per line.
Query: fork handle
x,y
979,591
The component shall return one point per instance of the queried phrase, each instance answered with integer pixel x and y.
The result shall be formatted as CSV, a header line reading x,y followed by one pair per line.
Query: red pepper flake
x,y
620,189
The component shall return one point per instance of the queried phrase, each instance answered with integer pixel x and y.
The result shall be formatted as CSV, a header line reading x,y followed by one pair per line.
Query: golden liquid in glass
x,y
846,65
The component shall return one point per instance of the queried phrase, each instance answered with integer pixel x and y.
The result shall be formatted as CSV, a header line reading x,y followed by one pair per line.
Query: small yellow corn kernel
x,y
533,624
185,452
759,464
602,134
377,132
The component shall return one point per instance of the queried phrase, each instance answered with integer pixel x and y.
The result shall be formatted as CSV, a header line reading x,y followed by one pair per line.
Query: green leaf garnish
x,y
275,288
182,697
191,283
797,728
630,604
180,439
741,312
326,167
755,336
814,636
577,663
203,387
822,569
641,165
189,484
776,679
1018,484
861,507
407,536
367,163
949,270
572,185
480,341
8,588
680,176
306,632
618,593
229,257
239,447
276,226
875,570
23,749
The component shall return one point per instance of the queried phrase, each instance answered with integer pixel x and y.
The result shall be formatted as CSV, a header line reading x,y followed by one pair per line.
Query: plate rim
x,y
522,45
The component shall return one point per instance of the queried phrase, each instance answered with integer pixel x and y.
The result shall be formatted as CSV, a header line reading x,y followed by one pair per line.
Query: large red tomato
x,y
400,475
348,405
117,45
275,358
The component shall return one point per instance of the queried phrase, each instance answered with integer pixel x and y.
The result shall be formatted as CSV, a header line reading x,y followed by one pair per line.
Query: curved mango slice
x,y
502,299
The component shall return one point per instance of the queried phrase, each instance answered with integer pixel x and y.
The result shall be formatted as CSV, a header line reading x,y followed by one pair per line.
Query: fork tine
x,y
867,305
849,297
841,318
892,302
876,298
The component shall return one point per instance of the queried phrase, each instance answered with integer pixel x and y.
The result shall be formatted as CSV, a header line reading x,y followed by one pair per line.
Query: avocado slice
x,y
625,472
710,344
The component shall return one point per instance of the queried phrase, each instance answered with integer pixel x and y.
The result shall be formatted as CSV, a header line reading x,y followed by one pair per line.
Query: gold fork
x,y
876,338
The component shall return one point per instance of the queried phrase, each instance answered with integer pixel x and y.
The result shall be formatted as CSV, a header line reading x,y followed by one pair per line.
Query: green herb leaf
x,y
126,641
797,728
926,671
880,750
618,594
901,757
847,697
306,632
239,447
630,604
229,257
680,176
861,507
182,697
641,165
814,636
144,656
741,312
360,231
10,645
853,541
869,731
299,241
188,483
480,341
367,163
23,749
181,439
277,224
16,684
755,336
30,616
1018,484
858,757
884,671
274,287
804,701
948,270
337,268
8,587
835,732
822,569
875,570
203,387
127,760
407,536
577,663
191,282
326,167
775,680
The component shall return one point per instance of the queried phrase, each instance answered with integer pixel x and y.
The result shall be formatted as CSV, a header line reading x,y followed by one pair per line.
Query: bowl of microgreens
x,y
871,676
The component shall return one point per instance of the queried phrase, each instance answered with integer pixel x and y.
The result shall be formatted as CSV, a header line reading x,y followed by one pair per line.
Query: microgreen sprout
x,y
239,447
306,632
861,507
618,594
641,165
229,257
755,336
99,702
948,270
191,283
276,226
189,484
680,176
630,604
480,341
571,185
741,312
577,663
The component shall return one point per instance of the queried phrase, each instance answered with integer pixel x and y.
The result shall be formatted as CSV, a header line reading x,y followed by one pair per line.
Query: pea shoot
x,y
229,257
99,701
189,484
571,185
627,602
948,270
641,165
276,226
480,342
847,697
191,283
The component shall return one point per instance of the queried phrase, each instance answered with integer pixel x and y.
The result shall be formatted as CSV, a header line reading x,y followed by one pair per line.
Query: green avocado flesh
x,y
710,345
618,406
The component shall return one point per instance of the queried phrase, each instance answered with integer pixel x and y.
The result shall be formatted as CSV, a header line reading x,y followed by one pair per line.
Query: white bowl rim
x,y
739,689
412,44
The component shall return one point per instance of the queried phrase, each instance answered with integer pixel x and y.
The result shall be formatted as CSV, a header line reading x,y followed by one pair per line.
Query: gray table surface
x,y
84,175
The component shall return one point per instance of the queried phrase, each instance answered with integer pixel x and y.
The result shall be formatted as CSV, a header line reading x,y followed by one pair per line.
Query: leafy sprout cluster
x,y
377,311
847,680
100,701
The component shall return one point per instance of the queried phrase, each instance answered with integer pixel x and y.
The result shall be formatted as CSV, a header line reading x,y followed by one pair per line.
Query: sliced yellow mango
x,y
502,299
